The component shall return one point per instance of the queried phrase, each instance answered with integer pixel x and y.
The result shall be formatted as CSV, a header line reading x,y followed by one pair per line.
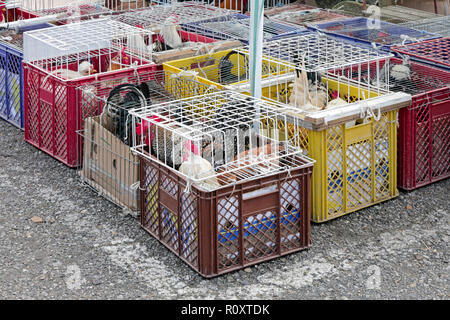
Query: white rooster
x,y
195,167
169,32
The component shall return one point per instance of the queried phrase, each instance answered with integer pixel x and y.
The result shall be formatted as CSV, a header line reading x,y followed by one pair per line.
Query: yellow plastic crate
x,y
208,70
355,167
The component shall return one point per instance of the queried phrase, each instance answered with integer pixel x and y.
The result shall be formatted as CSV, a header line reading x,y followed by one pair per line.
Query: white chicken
x,y
306,95
169,32
85,68
339,102
195,167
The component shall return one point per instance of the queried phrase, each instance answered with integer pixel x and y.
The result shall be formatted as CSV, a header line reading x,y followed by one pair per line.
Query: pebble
x,y
37,219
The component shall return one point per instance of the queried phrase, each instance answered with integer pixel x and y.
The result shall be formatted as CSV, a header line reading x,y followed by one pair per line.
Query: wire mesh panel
x,y
248,201
400,14
240,5
372,32
292,7
11,11
303,57
128,5
107,163
214,132
170,41
237,27
155,17
75,11
389,13
439,25
60,42
51,103
309,16
435,52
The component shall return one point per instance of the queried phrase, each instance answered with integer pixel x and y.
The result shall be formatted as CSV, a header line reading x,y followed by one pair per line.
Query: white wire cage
x,y
106,162
169,40
326,79
217,139
81,49
312,72
288,6
22,13
154,17
303,17
239,5
237,27
438,25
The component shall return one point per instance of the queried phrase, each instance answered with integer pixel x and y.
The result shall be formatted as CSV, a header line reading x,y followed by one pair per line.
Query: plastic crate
x,y
366,31
108,165
11,75
309,16
222,231
52,107
438,25
356,166
423,147
423,137
253,203
435,52
237,26
287,8
76,13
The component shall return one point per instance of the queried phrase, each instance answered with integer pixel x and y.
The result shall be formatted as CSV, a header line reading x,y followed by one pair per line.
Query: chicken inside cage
x,y
400,75
215,140
308,16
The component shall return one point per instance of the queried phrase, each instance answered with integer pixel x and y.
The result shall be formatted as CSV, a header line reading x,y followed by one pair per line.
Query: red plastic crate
x,y
52,107
226,230
424,138
424,127
436,51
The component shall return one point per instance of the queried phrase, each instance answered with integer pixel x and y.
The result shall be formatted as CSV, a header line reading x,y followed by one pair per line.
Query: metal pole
x,y
255,45
255,51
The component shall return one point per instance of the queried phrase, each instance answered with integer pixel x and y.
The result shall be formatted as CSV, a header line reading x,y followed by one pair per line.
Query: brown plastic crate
x,y
225,230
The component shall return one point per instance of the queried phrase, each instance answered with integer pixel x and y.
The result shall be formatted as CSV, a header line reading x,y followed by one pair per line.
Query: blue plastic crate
x,y
367,32
237,26
11,78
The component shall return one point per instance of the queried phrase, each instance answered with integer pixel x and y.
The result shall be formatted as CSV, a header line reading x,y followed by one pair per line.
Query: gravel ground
x,y
86,248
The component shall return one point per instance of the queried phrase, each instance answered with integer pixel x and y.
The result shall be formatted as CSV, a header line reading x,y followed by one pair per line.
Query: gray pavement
x,y
87,248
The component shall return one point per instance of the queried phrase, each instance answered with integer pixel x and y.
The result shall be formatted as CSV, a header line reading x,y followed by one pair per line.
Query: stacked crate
x,y
424,145
59,60
237,27
108,165
163,19
356,146
11,55
373,33
256,206
309,16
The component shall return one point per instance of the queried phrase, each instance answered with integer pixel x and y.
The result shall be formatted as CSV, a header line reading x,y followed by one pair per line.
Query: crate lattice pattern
x,y
11,107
